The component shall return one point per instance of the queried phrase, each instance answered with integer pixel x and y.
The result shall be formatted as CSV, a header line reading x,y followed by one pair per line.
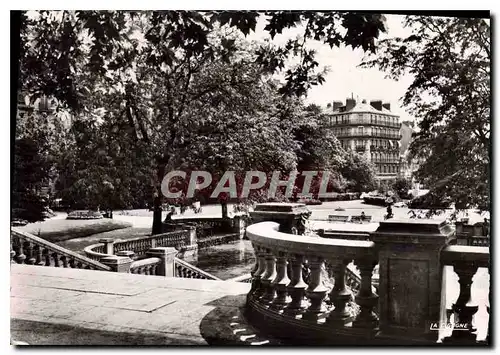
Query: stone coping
x,y
266,234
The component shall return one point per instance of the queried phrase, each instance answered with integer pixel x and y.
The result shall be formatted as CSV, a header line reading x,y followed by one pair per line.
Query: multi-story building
x,y
369,129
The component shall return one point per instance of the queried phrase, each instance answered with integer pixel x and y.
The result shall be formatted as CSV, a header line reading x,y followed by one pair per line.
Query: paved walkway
x,y
56,306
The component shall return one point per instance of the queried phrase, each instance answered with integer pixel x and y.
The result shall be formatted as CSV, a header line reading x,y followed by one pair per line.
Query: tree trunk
x,y
224,209
157,222
157,201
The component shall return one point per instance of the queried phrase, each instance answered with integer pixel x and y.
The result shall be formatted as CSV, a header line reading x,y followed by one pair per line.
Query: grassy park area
x,y
57,230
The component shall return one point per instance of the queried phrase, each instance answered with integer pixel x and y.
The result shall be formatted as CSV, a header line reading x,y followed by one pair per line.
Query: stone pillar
x,y
288,215
108,245
410,277
167,256
117,263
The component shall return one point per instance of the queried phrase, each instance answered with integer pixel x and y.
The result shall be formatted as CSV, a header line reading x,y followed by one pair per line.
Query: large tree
x,y
142,67
449,59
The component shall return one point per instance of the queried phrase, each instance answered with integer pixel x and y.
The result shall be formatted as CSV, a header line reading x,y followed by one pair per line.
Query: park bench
x,y
338,218
358,219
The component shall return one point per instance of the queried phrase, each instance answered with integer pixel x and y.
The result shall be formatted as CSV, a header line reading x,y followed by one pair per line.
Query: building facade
x,y
368,129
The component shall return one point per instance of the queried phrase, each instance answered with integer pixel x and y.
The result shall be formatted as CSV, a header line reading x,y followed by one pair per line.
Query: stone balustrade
x,y
146,266
466,262
183,240
32,250
140,245
184,269
291,299
160,261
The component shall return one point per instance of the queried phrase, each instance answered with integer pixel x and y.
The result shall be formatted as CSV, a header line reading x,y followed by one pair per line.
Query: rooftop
x,y
361,107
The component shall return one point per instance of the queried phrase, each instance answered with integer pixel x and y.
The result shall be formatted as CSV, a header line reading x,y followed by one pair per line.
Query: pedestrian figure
x,y
170,213
486,228
363,217
389,211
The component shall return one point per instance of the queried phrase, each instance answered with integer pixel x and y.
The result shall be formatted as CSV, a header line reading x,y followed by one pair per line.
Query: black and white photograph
x,y
250,178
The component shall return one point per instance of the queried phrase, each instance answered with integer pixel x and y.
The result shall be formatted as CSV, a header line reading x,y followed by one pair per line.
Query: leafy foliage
x,y
55,42
449,59
152,91
359,172
402,186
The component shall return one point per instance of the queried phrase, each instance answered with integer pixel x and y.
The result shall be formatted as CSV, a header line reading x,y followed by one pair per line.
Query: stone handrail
x,y
454,254
184,269
266,234
207,242
140,245
95,251
32,250
145,266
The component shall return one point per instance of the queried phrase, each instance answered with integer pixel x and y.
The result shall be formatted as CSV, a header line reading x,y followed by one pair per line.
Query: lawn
x,y
56,230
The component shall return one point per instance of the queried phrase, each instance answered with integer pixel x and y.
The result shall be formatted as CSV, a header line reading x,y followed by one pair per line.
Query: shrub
x,y
402,187
84,215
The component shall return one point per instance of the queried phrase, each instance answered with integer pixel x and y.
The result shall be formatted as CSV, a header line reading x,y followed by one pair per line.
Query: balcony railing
x,y
290,297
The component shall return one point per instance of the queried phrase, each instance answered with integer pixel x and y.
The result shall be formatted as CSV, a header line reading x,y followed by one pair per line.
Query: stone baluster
x,y
20,257
46,257
72,263
257,289
30,254
296,288
64,260
366,299
339,296
39,255
12,253
268,277
55,256
315,291
464,308
280,282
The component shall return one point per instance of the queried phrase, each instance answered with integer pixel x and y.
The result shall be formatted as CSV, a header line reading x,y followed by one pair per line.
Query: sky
x,y
345,78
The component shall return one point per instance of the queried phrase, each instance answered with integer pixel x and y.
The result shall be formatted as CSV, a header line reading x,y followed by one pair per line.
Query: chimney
x,y
349,104
337,105
376,104
387,106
